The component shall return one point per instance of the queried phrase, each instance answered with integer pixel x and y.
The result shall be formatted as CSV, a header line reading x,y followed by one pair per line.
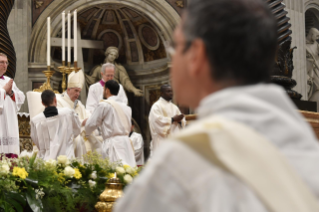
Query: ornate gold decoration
x,y
75,67
47,85
63,70
180,4
38,4
24,133
112,192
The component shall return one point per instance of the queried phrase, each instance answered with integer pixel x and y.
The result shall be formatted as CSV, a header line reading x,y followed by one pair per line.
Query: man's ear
x,y
55,101
43,104
197,57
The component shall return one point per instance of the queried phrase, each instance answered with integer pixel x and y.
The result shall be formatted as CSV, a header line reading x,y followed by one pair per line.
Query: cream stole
x,y
254,160
124,120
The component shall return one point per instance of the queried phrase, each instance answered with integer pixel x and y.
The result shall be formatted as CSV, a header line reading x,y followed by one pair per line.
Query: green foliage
x,y
49,187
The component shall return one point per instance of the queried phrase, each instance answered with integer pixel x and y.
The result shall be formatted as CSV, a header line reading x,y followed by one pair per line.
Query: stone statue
x,y
312,48
121,75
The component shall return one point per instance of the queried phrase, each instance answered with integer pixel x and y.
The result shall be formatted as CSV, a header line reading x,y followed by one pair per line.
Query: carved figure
x,y
121,76
312,48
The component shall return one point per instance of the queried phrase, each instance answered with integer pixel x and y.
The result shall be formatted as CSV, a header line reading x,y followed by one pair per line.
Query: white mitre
x,y
76,80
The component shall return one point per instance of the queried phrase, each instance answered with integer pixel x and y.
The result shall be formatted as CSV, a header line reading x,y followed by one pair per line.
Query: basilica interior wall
x,y
139,28
20,31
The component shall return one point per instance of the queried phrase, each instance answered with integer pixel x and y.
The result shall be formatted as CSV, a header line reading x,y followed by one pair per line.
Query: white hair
x,y
107,65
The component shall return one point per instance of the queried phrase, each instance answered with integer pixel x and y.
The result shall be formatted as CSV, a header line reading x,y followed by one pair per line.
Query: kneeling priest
x,y
53,130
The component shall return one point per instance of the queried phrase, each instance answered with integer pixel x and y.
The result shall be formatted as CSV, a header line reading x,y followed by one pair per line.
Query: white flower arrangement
x,y
92,183
93,175
51,162
69,172
25,154
62,159
130,170
39,194
128,178
4,169
120,170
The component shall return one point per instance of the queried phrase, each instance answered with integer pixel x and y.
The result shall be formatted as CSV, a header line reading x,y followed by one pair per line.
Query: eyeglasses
x,y
4,62
170,47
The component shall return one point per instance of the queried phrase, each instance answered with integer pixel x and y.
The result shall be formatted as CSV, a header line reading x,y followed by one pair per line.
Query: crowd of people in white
x,y
62,125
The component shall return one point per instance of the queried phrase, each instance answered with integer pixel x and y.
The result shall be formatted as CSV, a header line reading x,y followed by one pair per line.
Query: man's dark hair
x,y
47,97
240,37
164,87
113,86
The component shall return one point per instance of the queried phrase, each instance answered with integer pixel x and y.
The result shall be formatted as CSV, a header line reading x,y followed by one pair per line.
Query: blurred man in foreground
x,y
250,150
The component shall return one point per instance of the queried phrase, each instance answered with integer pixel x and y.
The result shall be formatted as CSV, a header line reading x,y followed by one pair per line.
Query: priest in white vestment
x,y
96,90
11,100
138,144
165,118
69,99
114,118
53,130
250,149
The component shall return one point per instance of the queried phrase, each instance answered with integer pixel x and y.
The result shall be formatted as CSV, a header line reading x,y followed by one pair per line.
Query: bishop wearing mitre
x,y
69,99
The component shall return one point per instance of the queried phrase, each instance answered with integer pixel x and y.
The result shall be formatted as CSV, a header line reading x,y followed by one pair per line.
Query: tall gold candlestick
x,y
63,71
47,85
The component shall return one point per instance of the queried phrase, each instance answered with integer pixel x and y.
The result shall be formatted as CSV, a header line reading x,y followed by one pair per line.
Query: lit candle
x,y
75,36
48,43
115,175
63,36
69,37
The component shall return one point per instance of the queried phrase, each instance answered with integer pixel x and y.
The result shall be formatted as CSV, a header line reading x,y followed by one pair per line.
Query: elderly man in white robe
x,y
69,99
165,118
96,90
53,130
11,100
114,117
138,144
250,150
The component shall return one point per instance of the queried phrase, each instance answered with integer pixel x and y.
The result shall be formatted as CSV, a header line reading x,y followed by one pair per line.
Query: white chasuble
x,y
160,121
80,142
54,135
138,144
9,128
114,118
95,95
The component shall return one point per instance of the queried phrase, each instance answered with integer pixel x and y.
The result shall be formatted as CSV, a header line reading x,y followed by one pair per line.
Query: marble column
x,y
19,26
296,12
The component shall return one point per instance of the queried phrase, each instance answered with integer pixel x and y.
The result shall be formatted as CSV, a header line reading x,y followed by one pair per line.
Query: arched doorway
x,y
138,28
